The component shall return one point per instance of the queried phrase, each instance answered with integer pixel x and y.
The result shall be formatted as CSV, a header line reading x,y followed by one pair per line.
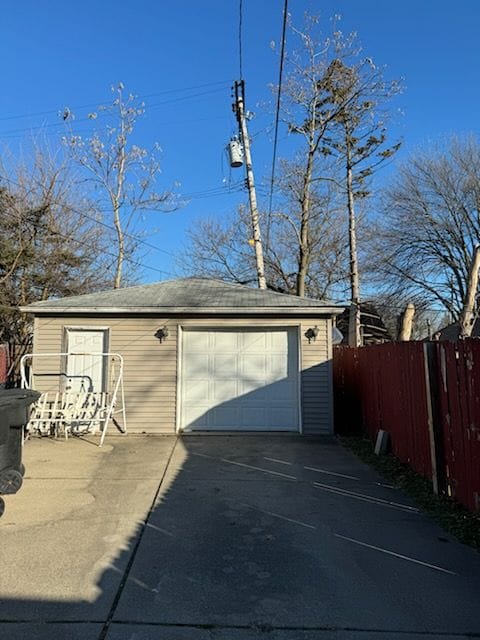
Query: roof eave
x,y
313,311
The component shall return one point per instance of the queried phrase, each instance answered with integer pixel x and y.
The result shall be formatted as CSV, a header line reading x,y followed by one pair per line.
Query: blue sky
x,y
69,53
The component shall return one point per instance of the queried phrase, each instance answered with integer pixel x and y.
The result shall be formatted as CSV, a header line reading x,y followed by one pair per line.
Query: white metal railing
x,y
73,412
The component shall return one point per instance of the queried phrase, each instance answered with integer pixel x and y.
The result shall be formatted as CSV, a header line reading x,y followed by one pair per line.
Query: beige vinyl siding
x,y
150,377
316,379
150,368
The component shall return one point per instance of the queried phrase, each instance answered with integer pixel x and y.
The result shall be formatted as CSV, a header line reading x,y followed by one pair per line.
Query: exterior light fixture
x,y
312,333
162,333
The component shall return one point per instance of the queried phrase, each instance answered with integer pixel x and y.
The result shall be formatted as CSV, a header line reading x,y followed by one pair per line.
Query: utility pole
x,y
407,323
429,329
354,318
239,110
467,317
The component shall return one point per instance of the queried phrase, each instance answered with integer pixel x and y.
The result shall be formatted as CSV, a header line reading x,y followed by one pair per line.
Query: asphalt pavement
x,y
224,537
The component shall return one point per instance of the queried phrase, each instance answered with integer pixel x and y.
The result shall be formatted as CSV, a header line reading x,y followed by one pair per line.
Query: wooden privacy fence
x,y
427,397
3,363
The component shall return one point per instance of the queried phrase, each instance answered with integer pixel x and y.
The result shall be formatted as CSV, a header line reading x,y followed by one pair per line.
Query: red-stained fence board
x,y
384,387
459,378
3,363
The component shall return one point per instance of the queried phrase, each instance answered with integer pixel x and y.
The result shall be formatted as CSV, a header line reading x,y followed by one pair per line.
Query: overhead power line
x,y
88,129
152,107
169,273
110,253
217,191
84,214
277,118
240,37
95,104
183,98
207,193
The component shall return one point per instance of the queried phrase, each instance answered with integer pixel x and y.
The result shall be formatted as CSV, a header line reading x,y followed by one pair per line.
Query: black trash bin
x,y
14,404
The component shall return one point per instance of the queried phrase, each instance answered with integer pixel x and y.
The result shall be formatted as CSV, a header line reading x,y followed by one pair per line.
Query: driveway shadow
x,y
246,538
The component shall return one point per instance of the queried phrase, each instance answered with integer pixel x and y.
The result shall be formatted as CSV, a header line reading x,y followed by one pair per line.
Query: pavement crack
x,y
265,628
270,628
143,527
47,622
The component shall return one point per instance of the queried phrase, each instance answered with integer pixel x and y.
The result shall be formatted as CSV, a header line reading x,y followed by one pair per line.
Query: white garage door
x,y
239,380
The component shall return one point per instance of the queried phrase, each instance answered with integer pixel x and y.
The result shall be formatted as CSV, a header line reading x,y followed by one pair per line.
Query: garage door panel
x,y
198,366
252,417
278,367
254,341
252,395
225,341
254,371
279,341
197,341
263,369
196,416
282,418
197,392
239,379
283,391
225,365
223,417
250,387
224,390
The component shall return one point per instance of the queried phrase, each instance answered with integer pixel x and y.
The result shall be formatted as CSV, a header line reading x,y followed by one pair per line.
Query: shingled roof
x,y
185,295
452,331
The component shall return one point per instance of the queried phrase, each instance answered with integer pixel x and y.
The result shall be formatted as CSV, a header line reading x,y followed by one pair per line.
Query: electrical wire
x,y
236,186
152,107
111,254
104,224
86,130
169,273
240,28
45,125
207,193
182,98
277,118
95,104
133,237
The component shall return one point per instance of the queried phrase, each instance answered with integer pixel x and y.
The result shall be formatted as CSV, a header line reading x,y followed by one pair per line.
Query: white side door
x,y
85,372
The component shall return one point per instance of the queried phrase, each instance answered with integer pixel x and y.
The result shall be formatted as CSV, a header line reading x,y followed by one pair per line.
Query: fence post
x,y
435,431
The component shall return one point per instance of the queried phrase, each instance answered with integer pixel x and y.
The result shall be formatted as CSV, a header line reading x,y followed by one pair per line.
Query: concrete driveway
x,y
215,537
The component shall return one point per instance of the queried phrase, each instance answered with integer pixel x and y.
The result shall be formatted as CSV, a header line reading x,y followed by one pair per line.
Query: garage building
x,y
199,355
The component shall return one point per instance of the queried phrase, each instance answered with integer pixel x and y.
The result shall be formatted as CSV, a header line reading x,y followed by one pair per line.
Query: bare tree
x,y
309,112
312,245
222,249
358,139
306,248
430,227
124,171
334,98
50,242
332,101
